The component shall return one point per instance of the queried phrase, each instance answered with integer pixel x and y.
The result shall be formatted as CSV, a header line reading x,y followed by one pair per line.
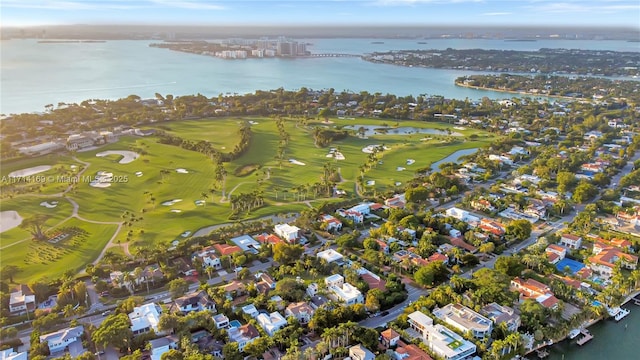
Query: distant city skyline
x,y
542,13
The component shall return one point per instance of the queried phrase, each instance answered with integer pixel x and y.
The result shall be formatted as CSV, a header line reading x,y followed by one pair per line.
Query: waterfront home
x,y
389,338
208,257
145,318
288,233
330,256
343,291
555,253
246,243
302,311
502,315
533,289
243,335
465,320
162,345
571,241
197,301
359,352
21,300
271,322
443,342
604,261
64,339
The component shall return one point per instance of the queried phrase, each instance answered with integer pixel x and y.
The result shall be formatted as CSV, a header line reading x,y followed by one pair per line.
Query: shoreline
x,y
518,92
588,324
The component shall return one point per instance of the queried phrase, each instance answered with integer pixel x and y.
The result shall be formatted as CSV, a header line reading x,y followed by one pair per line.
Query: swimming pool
x,y
234,324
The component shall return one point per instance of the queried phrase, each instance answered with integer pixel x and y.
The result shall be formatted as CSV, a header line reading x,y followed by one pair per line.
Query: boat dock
x,y
636,300
586,336
542,353
621,314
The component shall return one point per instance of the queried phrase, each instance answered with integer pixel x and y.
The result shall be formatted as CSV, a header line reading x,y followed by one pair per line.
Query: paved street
x,y
413,294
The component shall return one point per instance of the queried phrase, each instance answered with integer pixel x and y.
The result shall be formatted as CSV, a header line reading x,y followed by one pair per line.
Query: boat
x,y
621,314
377,42
574,333
422,42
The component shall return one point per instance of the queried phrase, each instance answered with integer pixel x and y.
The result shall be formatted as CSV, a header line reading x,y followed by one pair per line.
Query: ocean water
x,y
611,340
36,74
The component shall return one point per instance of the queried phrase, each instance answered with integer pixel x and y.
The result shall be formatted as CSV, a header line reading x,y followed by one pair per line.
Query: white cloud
x,y
495,14
191,5
415,2
611,6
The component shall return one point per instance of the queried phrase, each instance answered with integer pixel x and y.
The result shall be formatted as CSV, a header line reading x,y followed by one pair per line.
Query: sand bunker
x,y
398,183
296,162
186,233
400,168
49,205
370,148
103,180
371,182
138,173
176,211
171,202
253,122
333,153
127,156
9,219
182,171
460,128
199,202
29,171
410,161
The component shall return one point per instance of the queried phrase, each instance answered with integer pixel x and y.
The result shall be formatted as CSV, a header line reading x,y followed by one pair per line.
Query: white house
x,y
465,320
332,223
355,216
243,335
302,311
9,354
162,345
22,299
571,241
288,233
62,339
555,253
342,291
272,322
441,341
457,213
208,257
145,318
246,243
250,310
221,320
330,256
197,301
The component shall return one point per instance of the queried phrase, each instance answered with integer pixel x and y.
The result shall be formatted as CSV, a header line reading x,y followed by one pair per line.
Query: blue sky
x,y
588,13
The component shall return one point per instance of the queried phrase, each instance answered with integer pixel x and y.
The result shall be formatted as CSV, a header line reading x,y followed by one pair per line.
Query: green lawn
x,y
45,260
52,181
148,222
27,206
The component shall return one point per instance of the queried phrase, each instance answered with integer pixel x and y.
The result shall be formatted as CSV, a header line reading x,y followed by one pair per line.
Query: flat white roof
x,y
330,255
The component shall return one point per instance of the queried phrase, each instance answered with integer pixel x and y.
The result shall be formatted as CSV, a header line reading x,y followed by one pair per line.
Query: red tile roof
x,y
225,249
